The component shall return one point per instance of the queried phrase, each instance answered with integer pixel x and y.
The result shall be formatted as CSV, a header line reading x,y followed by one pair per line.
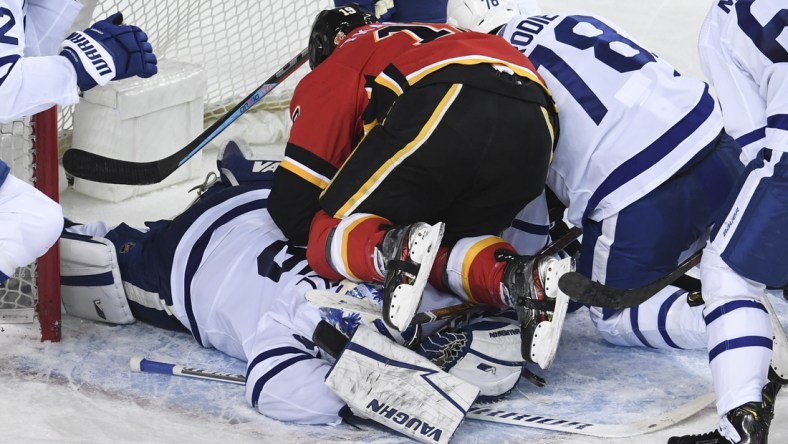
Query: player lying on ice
x,y
223,271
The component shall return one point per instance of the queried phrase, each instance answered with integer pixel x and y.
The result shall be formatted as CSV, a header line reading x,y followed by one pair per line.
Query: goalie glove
x,y
485,354
109,50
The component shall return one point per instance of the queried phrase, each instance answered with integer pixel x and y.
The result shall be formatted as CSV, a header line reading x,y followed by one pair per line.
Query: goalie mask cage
x,y
29,147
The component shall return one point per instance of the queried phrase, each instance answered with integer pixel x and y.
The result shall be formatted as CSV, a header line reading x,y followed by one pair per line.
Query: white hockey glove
x,y
486,354
109,50
384,9
399,389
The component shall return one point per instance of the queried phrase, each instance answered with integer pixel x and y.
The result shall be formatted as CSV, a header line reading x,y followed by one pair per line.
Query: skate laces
x,y
402,249
523,283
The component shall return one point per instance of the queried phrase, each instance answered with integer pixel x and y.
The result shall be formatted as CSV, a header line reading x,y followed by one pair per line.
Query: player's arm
x,y
29,85
325,127
106,51
298,182
47,24
760,72
285,377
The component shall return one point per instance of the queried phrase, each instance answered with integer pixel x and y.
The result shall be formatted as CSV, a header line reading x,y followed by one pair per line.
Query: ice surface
x,y
81,390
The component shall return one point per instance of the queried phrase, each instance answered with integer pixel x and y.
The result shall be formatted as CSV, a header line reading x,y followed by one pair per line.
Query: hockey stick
x,y
584,290
330,299
480,413
98,168
140,364
591,429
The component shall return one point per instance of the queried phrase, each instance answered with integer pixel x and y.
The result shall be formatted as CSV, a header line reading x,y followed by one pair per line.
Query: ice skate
x,y
530,284
405,257
749,421
237,166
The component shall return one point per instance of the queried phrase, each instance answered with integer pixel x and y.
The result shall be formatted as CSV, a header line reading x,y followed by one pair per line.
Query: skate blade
x,y
406,299
548,333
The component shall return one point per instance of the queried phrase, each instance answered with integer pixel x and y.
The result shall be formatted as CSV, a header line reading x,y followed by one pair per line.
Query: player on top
x,y
382,138
33,77
641,163
744,53
224,272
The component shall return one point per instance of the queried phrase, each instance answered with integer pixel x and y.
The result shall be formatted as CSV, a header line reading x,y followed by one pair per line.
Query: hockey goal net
x,y
29,147
239,44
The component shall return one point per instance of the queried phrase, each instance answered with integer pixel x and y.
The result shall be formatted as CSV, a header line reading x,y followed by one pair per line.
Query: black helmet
x,y
331,26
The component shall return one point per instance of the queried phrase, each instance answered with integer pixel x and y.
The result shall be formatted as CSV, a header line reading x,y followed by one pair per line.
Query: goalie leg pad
x,y
90,283
400,389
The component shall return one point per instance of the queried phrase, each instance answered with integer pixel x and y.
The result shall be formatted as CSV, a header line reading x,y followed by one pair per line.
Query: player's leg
x,y
648,238
745,254
415,182
30,223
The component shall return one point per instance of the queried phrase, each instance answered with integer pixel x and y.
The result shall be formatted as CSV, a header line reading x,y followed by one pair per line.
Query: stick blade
x,y
582,289
585,291
97,168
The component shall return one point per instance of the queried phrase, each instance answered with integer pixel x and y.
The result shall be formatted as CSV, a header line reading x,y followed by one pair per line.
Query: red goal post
x,y
29,146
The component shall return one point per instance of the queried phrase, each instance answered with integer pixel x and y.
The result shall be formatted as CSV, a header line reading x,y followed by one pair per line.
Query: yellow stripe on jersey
x,y
378,176
386,81
549,128
470,255
368,126
521,71
305,173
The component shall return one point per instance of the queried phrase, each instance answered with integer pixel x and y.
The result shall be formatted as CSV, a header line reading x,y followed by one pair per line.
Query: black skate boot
x,y
751,421
404,258
523,288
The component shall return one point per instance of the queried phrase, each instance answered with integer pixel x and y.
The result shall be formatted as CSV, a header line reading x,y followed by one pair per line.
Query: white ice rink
x,y
81,391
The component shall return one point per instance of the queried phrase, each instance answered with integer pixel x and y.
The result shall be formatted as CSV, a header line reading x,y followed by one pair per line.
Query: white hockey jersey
x,y
628,120
744,52
33,77
238,286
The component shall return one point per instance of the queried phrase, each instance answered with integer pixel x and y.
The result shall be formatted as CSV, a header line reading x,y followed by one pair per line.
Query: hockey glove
x,y
384,9
486,354
109,50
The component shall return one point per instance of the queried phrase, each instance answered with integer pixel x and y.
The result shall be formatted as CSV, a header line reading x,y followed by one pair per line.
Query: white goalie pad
x,y
399,389
90,283
548,333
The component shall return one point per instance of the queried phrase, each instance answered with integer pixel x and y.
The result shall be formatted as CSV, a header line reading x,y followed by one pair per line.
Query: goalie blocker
x,y
396,387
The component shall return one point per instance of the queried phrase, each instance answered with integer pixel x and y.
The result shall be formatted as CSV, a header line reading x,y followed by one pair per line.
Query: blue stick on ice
x,y
140,364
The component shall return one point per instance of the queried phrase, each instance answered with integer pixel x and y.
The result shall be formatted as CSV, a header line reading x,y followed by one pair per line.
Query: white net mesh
x,y
19,294
239,43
